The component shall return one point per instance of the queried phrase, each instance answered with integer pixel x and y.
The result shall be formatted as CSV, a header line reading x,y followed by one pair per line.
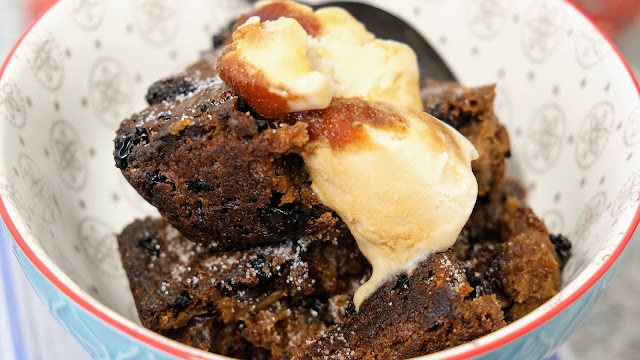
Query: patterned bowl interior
x,y
569,103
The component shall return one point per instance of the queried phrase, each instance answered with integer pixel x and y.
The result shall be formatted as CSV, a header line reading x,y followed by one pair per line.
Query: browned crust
x,y
342,122
276,10
470,111
251,84
411,316
261,297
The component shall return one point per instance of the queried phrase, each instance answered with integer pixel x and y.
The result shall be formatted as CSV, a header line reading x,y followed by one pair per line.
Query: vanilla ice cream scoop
x,y
403,187
281,66
399,178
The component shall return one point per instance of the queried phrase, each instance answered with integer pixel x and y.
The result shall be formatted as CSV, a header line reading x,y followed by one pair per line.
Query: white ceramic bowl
x,y
569,101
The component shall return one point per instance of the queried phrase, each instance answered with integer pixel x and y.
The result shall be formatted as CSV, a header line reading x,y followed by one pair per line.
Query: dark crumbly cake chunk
x,y
513,259
232,302
413,315
504,248
470,111
455,296
221,175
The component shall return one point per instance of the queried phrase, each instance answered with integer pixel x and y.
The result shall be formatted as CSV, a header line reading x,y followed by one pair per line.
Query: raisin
x,y
484,287
562,246
217,40
349,310
283,221
459,121
168,89
153,179
436,110
124,144
264,124
262,266
293,163
243,106
165,117
472,276
402,284
226,289
197,186
200,211
149,243
205,107
182,301
488,282
485,280
200,222
451,115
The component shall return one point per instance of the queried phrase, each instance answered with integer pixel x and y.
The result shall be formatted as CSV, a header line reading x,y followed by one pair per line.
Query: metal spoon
x,y
388,26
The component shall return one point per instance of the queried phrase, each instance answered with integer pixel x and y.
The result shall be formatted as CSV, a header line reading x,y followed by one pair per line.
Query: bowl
x,y
567,97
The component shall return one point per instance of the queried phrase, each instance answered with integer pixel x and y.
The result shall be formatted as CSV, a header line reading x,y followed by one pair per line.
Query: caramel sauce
x,y
274,11
342,123
251,84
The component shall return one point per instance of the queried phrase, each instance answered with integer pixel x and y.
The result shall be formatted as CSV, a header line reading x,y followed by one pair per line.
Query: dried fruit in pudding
x,y
221,301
